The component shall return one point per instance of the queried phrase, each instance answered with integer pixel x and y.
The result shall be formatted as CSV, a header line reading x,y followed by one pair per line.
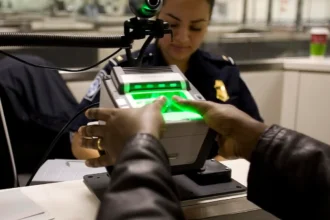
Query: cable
x,y
130,59
10,149
60,69
144,47
51,40
52,145
59,135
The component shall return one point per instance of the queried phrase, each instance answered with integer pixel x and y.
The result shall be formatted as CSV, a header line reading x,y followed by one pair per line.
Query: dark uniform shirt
x,y
37,104
217,79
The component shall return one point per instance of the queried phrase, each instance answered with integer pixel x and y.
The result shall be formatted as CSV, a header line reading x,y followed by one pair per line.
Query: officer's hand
x,y
228,148
120,125
239,132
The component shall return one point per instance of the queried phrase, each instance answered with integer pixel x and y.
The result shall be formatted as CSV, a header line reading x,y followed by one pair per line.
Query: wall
x,y
41,4
228,11
26,4
284,11
266,87
257,11
225,10
316,9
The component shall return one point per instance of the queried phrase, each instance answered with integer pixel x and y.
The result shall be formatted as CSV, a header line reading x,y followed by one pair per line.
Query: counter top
x,y
307,64
303,64
218,34
73,200
297,64
60,25
8,29
105,21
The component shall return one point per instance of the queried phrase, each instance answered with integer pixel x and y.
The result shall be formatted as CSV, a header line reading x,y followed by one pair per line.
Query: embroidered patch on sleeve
x,y
95,86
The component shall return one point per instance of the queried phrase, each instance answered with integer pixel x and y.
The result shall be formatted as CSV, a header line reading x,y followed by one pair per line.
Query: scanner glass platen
x,y
171,110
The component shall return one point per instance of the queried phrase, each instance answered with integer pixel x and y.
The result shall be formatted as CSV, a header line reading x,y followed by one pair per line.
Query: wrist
x,y
152,134
155,135
256,131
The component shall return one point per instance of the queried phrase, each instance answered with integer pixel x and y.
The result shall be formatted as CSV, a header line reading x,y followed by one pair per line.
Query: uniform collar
x,y
158,59
155,56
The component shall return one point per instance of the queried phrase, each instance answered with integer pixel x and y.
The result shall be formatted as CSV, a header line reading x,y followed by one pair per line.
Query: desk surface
x,y
308,64
73,200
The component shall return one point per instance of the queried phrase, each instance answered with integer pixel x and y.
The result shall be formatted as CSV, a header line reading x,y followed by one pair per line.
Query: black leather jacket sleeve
x,y
290,175
142,186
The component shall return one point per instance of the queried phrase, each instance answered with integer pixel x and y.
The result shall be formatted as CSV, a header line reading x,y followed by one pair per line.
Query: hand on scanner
x,y
239,133
120,125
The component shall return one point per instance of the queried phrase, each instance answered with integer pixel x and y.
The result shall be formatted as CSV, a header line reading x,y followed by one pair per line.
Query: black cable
x,y
57,138
57,68
51,40
144,47
130,59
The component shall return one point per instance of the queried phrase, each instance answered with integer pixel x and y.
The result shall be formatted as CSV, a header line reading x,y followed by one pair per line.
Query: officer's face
x,y
189,20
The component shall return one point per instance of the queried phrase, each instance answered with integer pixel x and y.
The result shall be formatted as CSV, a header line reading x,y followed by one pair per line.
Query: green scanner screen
x,y
171,110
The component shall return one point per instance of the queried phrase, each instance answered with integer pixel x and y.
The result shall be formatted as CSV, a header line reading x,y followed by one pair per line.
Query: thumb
x,y
201,106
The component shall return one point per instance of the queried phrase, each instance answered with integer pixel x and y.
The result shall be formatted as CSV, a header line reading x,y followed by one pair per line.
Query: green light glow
x,y
178,116
171,111
146,7
139,87
152,95
146,10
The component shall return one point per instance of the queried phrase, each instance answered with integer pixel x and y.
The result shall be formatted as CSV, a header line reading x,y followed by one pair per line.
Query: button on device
x,y
199,97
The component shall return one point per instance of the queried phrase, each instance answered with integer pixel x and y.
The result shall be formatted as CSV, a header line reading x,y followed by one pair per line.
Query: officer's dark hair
x,y
210,2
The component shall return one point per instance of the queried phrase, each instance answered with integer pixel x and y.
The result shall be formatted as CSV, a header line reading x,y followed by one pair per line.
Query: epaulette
x,y
118,60
222,59
121,59
228,59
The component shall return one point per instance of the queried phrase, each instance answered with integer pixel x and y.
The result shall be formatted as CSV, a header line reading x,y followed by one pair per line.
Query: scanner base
x,y
207,183
212,172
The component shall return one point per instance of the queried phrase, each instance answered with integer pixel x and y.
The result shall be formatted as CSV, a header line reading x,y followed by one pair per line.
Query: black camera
x,y
145,8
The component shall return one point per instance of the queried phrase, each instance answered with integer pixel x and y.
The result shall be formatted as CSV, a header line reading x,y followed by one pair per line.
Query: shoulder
x,y
94,88
121,60
222,60
221,66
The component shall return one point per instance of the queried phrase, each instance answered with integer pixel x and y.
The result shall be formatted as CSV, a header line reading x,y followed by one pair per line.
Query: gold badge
x,y
221,91
225,58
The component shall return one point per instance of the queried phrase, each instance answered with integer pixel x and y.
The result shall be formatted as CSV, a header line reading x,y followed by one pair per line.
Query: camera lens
x,y
153,3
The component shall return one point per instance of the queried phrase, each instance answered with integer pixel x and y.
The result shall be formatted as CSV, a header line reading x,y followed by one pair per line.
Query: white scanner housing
x,y
186,139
